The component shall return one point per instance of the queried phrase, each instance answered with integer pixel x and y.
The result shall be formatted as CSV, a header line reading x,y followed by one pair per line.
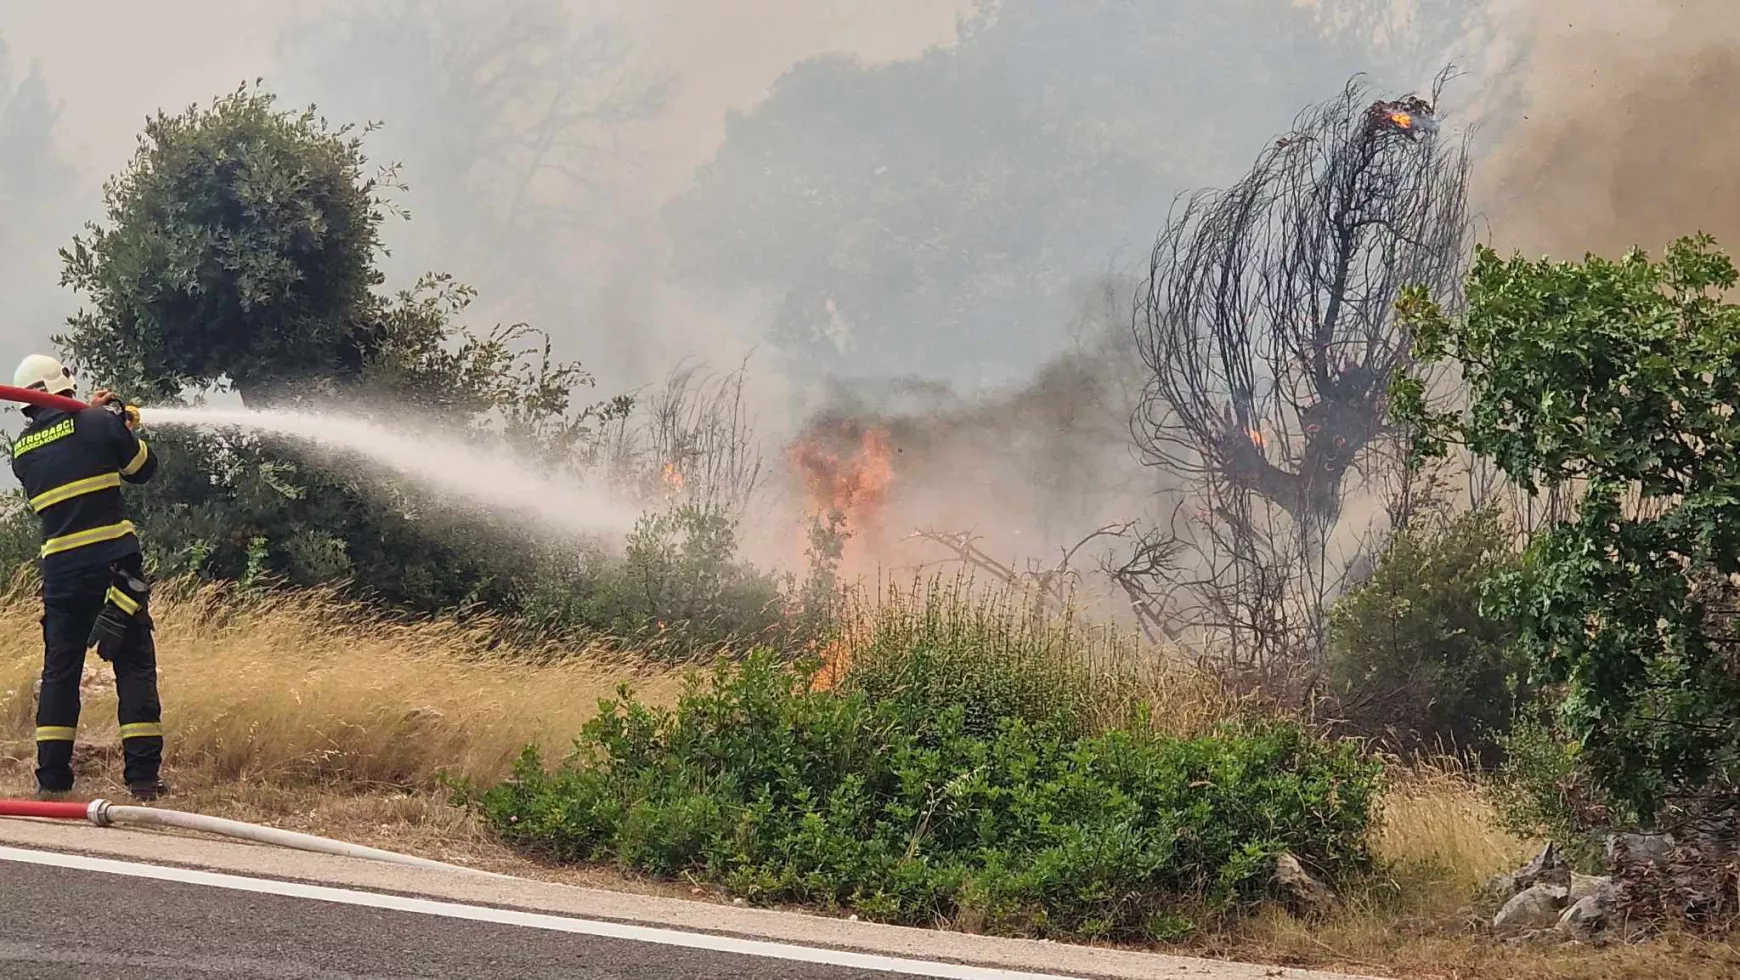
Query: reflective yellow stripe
x,y
127,603
77,488
55,733
142,729
138,460
96,535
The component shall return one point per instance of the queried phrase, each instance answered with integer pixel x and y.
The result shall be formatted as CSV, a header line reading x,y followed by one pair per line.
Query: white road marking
x,y
530,920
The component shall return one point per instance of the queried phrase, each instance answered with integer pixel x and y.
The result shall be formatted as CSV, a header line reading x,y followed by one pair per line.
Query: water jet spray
x,y
494,478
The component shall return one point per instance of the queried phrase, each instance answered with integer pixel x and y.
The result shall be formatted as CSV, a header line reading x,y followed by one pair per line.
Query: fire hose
x,y
102,813
41,399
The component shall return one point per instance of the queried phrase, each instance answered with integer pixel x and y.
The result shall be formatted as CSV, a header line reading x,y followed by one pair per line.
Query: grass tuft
x,y
300,688
1000,654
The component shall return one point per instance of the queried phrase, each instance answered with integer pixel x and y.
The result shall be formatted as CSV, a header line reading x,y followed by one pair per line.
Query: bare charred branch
x,y
691,441
1139,571
1267,322
965,546
1147,577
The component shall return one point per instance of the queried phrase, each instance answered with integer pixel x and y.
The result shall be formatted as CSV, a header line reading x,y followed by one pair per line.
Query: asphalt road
x,y
109,903
63,924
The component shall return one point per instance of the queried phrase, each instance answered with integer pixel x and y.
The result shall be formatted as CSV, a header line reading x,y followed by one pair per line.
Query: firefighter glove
x,y
123,604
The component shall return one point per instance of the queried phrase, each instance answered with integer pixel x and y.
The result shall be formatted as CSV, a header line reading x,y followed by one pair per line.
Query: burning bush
x,y
847,468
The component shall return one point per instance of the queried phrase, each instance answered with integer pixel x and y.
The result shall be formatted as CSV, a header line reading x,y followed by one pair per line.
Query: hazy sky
x,y
127,60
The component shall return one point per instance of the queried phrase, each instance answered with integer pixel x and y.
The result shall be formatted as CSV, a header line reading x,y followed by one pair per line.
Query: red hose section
x,y
41,808
31,396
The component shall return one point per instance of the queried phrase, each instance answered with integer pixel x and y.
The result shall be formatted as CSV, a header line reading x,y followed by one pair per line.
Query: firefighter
x,y
94,592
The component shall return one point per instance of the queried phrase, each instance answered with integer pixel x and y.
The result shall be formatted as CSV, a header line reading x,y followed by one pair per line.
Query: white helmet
x,y
46,373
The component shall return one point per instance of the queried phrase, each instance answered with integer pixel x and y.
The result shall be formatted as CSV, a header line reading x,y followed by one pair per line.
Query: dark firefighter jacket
x,y
71,467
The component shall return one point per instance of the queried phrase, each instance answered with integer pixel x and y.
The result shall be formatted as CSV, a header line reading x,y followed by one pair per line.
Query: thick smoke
x,y
1603,124
1024,472
1626,134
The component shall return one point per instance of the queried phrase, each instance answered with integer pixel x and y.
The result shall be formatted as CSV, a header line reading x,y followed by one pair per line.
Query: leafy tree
x,y
1616,379
240,247
323,523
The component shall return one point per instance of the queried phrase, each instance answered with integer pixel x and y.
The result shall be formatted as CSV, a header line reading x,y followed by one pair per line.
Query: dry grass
x,y
1436,820
1440,839
306,689
309,713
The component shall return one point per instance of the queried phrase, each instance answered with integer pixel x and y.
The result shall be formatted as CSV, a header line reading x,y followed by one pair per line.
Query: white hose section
x,y
144,816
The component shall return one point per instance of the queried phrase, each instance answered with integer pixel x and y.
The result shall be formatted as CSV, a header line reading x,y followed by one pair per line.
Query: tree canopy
x,y
240,246
1268,320
1616,380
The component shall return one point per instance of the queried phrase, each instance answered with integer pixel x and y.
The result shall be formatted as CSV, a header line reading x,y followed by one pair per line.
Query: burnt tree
x,y
1267,321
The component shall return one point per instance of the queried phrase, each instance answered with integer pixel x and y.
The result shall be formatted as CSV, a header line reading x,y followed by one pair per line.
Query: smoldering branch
x,y
1266,322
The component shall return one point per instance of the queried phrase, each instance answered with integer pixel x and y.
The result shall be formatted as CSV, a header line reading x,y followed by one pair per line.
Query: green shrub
x,y
1410,654
678,589
20,536
783,793
1610,384
1545,790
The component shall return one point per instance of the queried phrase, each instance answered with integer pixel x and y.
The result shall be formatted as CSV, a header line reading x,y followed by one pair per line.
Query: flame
x,y
673,477
1403,120
846,469
854,482
855,631
1257,439
836,660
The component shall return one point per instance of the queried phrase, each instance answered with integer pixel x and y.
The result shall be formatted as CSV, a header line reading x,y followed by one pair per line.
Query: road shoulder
x,y
567,900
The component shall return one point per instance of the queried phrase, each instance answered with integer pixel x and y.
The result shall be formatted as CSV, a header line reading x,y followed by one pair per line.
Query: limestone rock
x,y
1296,886
1584,919
1546,868
1651,850
1584,886
1535,907
1501,888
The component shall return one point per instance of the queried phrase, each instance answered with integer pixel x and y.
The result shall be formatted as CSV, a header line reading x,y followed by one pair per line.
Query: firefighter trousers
x,y
71,601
